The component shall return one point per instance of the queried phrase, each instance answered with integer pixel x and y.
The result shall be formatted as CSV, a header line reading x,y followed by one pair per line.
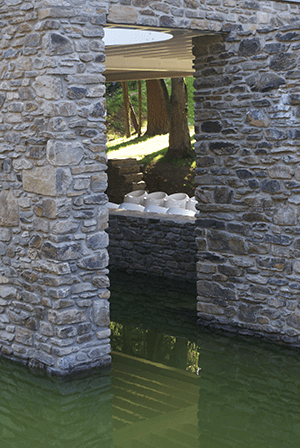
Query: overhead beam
x,y
112,76
167,59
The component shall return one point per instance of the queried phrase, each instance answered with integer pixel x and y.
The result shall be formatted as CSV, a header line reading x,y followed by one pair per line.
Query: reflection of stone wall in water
x,y
159,304
247,109
40,411
54,308
247,393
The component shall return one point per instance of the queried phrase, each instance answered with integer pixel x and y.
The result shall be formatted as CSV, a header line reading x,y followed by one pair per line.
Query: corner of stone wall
x,y
247,103
54,309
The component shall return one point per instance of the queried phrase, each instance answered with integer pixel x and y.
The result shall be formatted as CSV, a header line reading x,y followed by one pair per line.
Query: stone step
x,y
116,163
127,169
135,177
123,176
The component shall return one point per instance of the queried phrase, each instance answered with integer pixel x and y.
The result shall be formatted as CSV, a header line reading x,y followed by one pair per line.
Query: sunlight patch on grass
x,y
154,156
114,141
140,148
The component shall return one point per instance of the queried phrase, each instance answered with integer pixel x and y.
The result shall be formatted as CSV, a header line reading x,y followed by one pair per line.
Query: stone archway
x,y
54,309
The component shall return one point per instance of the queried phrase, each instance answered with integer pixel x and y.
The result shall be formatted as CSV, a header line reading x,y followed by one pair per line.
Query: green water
x,y
246,394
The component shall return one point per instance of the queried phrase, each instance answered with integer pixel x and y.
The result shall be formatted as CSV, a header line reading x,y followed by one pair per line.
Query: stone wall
x,y
203,15
54,309
124,176
153,244
248,181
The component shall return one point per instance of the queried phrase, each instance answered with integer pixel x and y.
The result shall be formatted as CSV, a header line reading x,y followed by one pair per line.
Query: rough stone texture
x,y
40,180
50,219
63,154
215,15
53,181
153,244
9,209
249,192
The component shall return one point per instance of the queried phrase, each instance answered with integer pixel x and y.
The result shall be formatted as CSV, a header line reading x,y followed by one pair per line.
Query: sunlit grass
x,y
122,142
114,137
138,147
154,156
146,149
115,105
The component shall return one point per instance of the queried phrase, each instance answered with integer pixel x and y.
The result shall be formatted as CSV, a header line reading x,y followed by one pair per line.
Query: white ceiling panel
x,y
166,59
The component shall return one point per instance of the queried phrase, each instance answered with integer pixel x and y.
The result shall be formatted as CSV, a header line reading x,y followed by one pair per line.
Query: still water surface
x,y
246,395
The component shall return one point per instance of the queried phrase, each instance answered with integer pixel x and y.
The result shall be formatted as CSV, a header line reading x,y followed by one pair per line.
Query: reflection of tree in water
x,y
164,348
156,347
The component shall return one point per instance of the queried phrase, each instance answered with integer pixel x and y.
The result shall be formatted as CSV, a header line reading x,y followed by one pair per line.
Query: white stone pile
x,y
157,202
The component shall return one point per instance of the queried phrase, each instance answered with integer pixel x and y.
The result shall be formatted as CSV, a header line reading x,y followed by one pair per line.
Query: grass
x,y
154,156
137,147
160,172
122,142
146,149
115,114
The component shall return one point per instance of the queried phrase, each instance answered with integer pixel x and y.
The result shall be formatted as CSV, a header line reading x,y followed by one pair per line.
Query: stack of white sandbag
x,y
158,202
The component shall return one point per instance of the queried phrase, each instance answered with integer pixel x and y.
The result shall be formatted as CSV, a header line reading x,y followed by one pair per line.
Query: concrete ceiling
x,y
167,59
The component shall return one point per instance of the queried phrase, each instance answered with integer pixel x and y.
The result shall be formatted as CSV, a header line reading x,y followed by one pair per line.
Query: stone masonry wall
x,y
248,181
153,244
54,309
124,176
206,15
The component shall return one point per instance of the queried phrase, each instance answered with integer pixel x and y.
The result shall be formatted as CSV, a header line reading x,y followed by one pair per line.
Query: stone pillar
x,y
248,181
54,309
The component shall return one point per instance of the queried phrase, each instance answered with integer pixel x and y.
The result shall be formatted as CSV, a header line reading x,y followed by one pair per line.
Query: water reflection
x,y
246,395
161,348
248,390
159,306
153,405
38,411
250,394
155,360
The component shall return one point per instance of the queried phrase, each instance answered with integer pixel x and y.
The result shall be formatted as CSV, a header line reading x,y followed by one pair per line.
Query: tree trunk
x,y
179,138
126,107
140,108
133,117
157,107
